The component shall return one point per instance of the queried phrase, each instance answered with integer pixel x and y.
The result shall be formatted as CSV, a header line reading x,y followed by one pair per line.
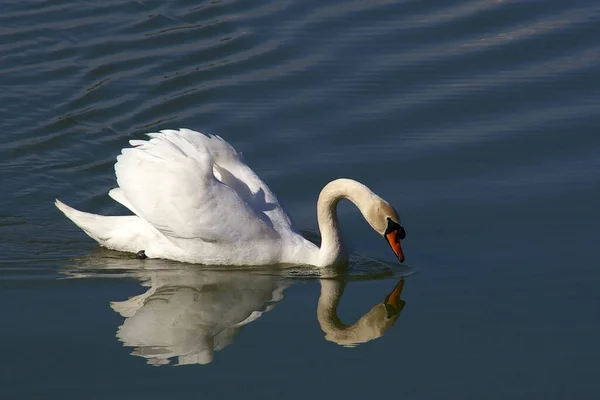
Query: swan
x,y
195,200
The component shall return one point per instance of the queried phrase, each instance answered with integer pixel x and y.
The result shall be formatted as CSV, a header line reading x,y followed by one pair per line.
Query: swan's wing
x,y
169,181
231,169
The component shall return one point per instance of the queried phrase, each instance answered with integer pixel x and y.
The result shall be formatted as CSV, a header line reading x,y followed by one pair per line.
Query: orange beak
x,y
394,240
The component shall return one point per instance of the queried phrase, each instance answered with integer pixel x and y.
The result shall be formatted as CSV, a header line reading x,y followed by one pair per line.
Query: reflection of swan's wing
x,y
170,183
189,315
129,307
167,326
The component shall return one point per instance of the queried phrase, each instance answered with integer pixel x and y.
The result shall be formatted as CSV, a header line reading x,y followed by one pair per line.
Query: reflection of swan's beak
x,y
393,303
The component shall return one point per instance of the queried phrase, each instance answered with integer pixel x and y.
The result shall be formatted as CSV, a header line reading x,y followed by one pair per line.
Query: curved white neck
x,y
333,250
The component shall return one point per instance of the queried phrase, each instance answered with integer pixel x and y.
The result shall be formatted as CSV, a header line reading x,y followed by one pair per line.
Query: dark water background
x,y
477,119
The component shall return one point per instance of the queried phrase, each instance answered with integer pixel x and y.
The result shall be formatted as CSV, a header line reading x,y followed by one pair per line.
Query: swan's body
x,y
196,200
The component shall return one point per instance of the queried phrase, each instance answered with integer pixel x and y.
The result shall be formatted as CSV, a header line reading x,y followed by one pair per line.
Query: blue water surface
x,y
478,120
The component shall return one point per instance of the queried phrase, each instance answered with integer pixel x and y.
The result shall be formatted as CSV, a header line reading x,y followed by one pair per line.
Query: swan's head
x,y
384,219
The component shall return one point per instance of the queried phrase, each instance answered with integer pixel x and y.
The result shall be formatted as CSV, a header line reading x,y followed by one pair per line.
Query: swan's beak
x,y
394,240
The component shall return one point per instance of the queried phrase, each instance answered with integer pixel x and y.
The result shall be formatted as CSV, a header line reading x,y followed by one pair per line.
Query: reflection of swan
x,y
196,200
370,326
188,314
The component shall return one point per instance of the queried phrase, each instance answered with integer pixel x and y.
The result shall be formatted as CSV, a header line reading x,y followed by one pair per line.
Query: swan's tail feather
x,y
126,233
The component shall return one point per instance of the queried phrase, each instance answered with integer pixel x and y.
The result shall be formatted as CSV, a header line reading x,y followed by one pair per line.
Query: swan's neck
x,y
333,250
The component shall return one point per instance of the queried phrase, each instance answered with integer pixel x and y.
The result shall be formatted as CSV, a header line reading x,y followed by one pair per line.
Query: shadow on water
x,y
188,311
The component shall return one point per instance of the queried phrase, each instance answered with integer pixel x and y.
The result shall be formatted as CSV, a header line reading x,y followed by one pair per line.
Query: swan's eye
x,y
401,232
394,226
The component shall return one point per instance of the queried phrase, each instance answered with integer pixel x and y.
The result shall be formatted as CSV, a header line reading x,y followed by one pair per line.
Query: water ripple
x,y
428,83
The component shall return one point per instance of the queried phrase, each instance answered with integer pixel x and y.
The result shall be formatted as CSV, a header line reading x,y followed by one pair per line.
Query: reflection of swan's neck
x,y
331,292
332,249
370,326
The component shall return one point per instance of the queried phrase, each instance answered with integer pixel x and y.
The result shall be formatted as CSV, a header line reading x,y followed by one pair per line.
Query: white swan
x,y
196,200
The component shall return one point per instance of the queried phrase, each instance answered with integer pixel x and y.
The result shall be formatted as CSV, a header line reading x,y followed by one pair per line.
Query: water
x,y
477,119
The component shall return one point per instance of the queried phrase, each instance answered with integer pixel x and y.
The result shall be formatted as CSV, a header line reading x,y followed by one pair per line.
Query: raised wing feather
x,y
169,181
230,168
